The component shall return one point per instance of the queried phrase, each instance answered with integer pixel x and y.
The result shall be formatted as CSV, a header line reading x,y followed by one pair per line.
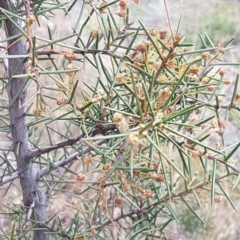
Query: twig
x,y
144,210
211,157
99,129
8,163
82,52
65,161
54,166
9,178
168,18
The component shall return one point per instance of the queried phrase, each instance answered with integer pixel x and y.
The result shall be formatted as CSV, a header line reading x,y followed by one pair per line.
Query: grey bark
x,y
32,195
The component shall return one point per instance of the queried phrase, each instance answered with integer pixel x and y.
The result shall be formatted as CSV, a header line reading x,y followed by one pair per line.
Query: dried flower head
x,y
170,63
133,138
193,118
95,32
118,201
178,38
164,93
237,97
217,199
222,72
157,177
123,125
69,55
162,34
218,145
107,166
221,50
141,47
123,4
170,110
152,31
120,78
122,14
193,70
61,101
147,43
165,165
205,80
219,131
214,123
93,232
117,117
148,193
140,90
101,182
97,99
155,165
205,55
157,64
211,88
136,173
126,187
80,178
87,160
222,123
37,112
227,82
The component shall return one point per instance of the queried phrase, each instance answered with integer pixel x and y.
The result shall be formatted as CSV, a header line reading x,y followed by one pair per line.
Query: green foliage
x,y
220,22
147,132
192,226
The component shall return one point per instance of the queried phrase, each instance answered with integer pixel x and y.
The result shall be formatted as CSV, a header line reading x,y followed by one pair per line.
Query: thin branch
x,y
208,156
228,107
8,163
80,51
65,161
144,210
5,60
54,166
83,52
223,162
168,18
194,101
99,129
9,178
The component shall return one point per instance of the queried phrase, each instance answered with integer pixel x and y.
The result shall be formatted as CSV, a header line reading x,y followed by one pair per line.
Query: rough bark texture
x,y
32,194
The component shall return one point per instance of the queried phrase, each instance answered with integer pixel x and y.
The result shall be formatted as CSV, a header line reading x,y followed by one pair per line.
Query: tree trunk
x,y
34,200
